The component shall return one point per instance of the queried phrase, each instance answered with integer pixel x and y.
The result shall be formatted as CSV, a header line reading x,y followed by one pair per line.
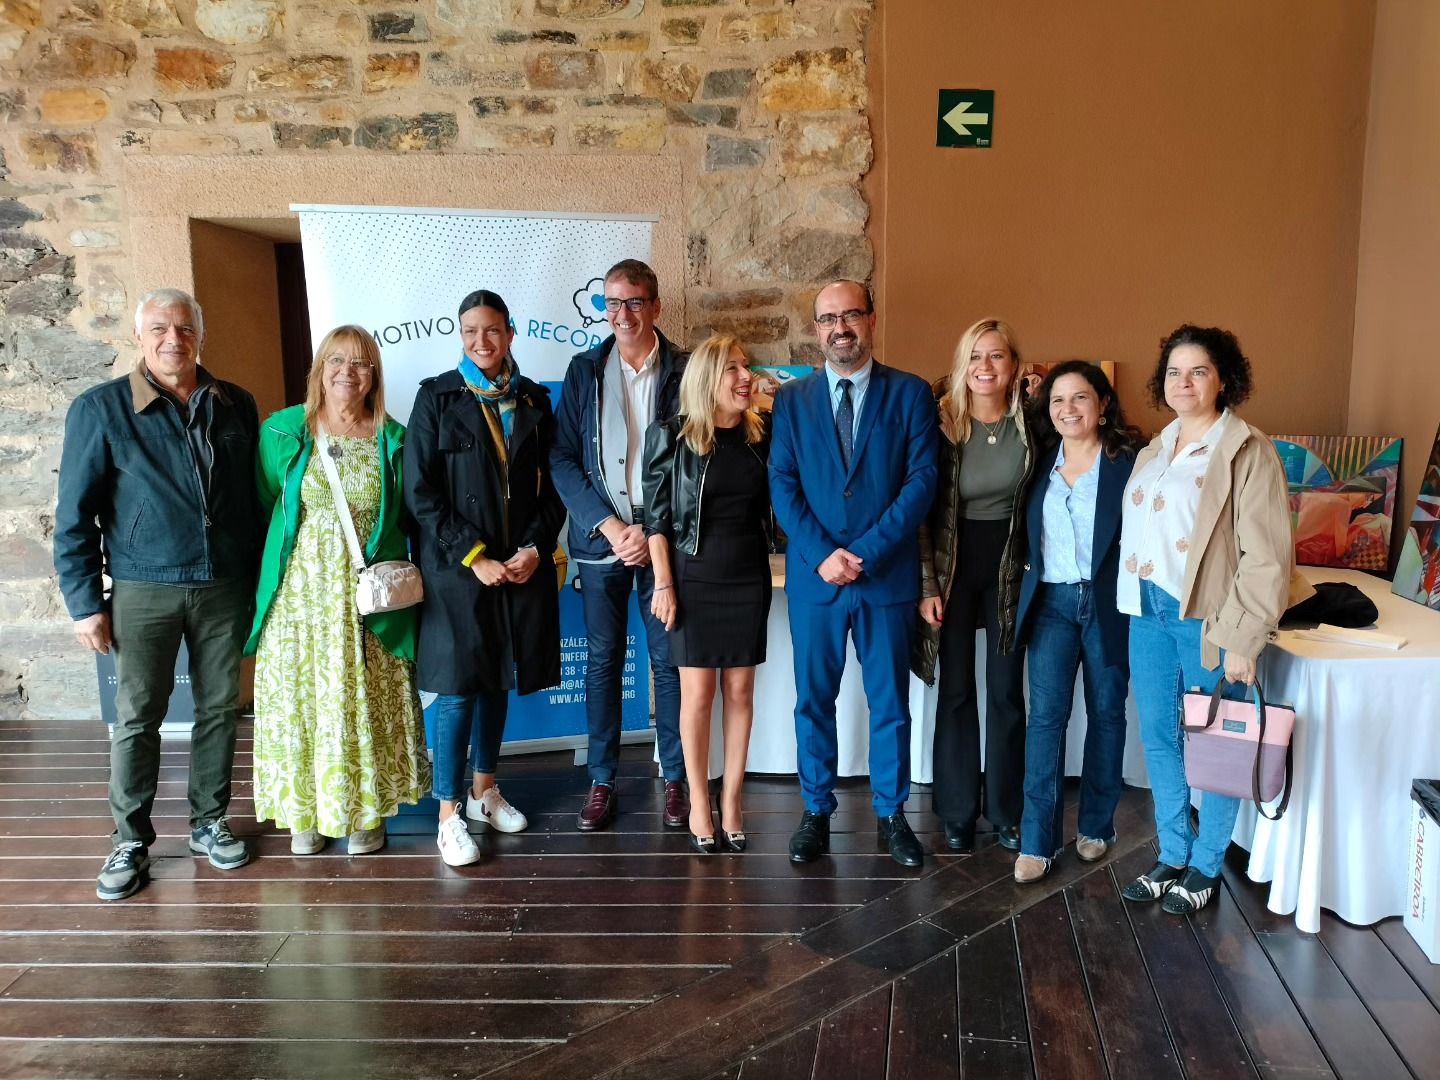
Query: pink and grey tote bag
x,y
1239,748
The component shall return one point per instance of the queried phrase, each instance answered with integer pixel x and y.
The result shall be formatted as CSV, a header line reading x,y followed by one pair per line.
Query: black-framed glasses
x,y
853,317
354,363
635,303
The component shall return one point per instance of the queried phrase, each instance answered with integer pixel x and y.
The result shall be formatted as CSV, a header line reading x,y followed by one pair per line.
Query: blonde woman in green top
x,y
339,742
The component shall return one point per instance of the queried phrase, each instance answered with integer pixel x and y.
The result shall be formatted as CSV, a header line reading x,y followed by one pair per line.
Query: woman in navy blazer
x,y
1067,615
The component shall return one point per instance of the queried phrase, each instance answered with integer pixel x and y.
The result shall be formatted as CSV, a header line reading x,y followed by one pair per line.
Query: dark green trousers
x,y
148,622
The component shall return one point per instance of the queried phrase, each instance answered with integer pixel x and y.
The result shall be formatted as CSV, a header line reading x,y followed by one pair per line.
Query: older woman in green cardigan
x,y
339,742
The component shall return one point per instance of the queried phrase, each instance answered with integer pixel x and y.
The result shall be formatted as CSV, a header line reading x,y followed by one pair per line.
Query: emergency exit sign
x,y
967,118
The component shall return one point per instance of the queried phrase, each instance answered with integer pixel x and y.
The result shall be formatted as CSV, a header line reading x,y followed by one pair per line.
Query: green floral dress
x,y
339,742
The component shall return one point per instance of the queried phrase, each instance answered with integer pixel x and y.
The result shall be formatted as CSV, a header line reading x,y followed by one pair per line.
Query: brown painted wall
x,y
1152,164
236,285
1395,381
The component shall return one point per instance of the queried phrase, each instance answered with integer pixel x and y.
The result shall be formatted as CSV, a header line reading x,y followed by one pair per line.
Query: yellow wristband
x,y
475,553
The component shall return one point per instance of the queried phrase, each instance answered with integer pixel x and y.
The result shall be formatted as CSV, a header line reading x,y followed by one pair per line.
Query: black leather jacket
x,y
674,482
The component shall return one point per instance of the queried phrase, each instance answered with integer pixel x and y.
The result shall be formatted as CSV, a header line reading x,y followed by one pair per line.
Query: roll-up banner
x,y
401,273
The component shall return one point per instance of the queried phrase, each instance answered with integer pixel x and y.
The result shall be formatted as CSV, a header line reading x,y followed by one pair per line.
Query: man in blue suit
x,y
852,475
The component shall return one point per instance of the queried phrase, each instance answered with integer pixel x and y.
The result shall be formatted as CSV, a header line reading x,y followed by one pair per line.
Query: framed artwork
x,y
1034,374
770,377
1342,497
1417,575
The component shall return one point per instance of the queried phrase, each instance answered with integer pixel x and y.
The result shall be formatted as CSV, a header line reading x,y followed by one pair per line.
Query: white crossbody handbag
x,y
385,586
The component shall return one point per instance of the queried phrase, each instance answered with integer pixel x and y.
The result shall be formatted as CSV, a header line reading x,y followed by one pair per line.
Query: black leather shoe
x,y
1009,837
811,839
704,845
894,831
959,837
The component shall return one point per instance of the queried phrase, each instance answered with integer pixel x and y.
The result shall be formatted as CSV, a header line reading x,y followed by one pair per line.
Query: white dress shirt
x,y
1160,504
639,414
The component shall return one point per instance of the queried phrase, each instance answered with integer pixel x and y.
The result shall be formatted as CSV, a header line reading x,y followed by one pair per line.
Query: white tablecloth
x,y
772,739
1367,724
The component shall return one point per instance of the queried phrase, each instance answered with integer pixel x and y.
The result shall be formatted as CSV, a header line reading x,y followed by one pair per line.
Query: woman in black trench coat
x,y
477,482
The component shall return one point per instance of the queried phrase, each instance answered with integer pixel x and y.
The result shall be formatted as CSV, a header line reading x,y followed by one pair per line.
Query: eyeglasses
x,y
635,303
851,318
355,364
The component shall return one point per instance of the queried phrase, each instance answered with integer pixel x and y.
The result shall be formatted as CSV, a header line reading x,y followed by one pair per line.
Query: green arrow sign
x,y
967,118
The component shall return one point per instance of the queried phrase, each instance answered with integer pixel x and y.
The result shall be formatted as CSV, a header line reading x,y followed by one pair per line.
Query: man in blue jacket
x,y
852,475
612,394
157,490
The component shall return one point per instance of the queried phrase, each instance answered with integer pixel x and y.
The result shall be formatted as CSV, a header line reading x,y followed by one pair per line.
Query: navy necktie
x,y
845,422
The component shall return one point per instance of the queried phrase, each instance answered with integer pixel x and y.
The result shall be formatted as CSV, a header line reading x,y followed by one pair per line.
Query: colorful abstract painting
x,y
770,377
1417,575
1342,497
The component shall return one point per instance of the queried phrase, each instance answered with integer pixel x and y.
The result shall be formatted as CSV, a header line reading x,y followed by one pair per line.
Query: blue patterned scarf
x,y
496,396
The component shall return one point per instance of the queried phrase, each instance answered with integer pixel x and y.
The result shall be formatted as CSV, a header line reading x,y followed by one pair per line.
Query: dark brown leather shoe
x,y
677,806
599,808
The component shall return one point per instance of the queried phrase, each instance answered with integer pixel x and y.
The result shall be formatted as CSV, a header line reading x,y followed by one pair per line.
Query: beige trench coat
x,y
1240,574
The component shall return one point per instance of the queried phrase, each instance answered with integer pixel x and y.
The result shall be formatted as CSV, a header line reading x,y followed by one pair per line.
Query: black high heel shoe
x,y
734,841
703,845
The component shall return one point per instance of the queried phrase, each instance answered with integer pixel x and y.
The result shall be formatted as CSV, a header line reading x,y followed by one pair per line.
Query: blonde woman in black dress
x,y
708,511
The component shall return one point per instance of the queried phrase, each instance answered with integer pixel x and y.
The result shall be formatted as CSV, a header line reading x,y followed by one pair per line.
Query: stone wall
x,y
763,102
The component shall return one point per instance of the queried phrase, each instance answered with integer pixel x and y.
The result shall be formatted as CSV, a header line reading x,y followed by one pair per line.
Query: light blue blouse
x,y
1068,537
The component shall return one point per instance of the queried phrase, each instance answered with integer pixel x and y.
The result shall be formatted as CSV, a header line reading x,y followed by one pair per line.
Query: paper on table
x,y
1340,635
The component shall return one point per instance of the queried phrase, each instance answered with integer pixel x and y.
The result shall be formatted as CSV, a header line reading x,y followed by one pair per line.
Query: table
x,y
772,739
1367,724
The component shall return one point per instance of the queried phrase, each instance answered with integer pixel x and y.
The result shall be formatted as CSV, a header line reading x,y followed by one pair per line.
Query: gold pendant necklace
x,y
990,436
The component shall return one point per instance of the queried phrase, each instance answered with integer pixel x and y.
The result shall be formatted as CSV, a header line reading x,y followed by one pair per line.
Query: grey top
x,y
989,474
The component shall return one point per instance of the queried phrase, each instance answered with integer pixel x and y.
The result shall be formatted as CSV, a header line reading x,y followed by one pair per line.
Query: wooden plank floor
x,y
623,955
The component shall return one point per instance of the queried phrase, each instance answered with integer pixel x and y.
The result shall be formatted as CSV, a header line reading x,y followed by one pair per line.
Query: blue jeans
x,y
605,592
1164,658
476,720
1065,635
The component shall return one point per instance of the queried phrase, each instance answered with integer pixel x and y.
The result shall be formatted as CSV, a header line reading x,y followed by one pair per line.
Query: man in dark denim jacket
x,y
157,490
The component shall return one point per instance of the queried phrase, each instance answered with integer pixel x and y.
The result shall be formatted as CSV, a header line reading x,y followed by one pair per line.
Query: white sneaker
x,y
306,842
364,841
456,847
492,810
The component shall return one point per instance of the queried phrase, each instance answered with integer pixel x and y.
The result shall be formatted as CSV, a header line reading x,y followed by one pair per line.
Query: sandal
x,y
1153,884
1191,893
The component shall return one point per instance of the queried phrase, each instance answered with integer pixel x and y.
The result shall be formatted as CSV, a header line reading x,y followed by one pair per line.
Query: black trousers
x,y
961,786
